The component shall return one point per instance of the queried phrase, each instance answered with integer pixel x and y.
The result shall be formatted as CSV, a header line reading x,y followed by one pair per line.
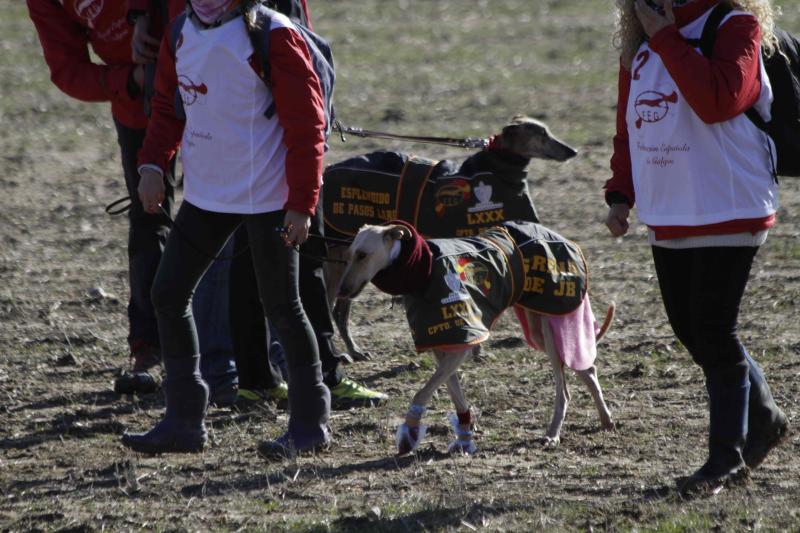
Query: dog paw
x,y
550,442
358,355
345,358
463,447
608,425
408,439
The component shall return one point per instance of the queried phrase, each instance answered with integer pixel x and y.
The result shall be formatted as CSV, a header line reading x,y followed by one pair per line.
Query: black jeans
x,y
147,236
702,289
198,235
251,334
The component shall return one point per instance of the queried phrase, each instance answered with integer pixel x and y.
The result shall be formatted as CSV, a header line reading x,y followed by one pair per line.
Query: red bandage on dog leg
x,y
465,418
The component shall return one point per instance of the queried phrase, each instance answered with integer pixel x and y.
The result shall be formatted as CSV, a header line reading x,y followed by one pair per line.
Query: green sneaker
x,y
247,399
349,394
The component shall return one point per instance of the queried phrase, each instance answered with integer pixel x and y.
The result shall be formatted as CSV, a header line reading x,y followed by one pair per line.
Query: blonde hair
x,y
630,35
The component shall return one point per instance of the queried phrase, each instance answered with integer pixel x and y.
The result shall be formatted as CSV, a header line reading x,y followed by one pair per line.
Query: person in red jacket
x,y
702,177
67,29
240,167
261,380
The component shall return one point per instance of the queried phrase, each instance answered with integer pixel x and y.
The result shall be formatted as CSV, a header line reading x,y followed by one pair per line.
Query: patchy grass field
x,y
451,67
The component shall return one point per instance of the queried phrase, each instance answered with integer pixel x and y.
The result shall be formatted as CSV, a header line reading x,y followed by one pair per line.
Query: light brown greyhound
x,y
370,253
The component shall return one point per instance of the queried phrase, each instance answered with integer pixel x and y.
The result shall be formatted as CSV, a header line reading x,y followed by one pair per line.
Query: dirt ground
x,y
456,68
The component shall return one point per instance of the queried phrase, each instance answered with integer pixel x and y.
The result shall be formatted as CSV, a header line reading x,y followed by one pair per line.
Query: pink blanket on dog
x,y
574,335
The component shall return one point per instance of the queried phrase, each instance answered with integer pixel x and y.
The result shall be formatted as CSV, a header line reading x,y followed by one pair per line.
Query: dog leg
x,y
589,378
334,270
553,435
461,420
411,432
341,313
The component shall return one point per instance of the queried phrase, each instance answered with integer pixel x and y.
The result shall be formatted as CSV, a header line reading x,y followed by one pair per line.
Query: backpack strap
x,y
706,45
709,35
259,37
174,37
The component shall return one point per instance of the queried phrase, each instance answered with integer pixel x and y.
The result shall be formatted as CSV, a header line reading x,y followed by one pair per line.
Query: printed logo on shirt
x,y
191,92
89,10
653,106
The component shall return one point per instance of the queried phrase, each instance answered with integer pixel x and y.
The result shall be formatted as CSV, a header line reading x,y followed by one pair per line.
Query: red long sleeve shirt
x,y
717,88
66,31
299,107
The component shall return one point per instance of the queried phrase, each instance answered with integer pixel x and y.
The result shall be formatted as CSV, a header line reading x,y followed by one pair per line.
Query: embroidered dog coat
x,y
440,199
474,279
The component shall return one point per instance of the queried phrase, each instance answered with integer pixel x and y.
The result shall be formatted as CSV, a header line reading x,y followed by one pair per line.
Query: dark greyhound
x,y
441,185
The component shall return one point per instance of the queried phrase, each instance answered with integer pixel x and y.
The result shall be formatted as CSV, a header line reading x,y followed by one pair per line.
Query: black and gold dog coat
x,y
440,199
474,279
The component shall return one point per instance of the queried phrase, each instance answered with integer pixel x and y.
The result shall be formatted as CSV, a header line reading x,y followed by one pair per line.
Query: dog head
x,y
531,138
369,253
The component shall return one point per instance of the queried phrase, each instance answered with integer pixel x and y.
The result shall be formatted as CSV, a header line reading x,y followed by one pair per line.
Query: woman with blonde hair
x,y
701,175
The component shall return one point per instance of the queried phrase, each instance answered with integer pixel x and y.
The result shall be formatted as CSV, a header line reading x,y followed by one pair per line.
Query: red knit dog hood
x,y
410,271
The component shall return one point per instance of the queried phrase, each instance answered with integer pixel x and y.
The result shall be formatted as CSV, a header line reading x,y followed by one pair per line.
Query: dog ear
x,y
397,233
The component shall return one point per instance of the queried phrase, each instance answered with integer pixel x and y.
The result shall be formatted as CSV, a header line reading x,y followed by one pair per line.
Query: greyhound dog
x,y
454,290
507,156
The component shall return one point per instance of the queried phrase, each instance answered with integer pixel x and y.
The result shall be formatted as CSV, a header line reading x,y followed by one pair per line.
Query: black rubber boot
x,y
182,430
767,426
728,393
309,410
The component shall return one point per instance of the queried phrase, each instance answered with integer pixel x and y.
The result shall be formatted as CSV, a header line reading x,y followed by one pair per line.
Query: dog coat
x,y
440,199
474,279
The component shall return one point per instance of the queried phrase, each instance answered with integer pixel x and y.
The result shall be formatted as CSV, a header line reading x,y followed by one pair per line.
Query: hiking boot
x,y
182,429
284,447
247,399
143,377
728,397
711,478
223,395
348,394
760,443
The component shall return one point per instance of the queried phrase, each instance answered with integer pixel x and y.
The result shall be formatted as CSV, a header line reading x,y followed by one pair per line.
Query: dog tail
x,y
607,322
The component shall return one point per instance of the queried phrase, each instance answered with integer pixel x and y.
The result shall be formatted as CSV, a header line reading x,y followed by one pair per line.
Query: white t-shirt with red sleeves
x,y
688,172
233,156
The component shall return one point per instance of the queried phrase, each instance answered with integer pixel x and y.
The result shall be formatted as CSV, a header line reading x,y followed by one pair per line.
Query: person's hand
x,y
144,47
653,21
297,226
151,190
617,219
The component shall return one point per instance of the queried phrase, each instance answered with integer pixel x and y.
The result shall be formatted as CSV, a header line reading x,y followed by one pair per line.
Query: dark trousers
x,y
147,236
702,289
199,235
251,335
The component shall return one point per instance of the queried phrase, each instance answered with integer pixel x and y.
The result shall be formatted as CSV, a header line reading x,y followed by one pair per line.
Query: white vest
x,y
233,157
687,172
